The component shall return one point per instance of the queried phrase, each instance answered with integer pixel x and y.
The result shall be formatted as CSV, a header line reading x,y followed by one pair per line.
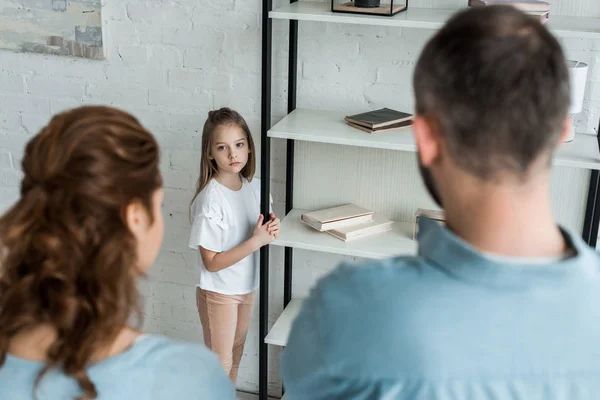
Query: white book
x,y
337,217
373,227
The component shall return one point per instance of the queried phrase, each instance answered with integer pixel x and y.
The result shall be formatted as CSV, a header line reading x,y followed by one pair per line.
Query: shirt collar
x,y
459,259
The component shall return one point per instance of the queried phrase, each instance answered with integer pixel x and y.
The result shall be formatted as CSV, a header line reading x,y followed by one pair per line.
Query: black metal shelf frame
x,y
592,212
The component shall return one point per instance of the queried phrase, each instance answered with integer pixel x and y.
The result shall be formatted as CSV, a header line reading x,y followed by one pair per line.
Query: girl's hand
x,y
261,232
273,226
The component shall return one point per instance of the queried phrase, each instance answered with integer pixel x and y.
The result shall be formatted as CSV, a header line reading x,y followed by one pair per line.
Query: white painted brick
x,y
200,102
185,331
177,200
33,123
244,87
133,54
188,123
368,31
163,311
246,106
198,79
574,43
20,62
394,74
8,196
167,291
60,105
165,56
62,67
154,119
166,257
193,38
173,274
24,103
322,70
594,70
178,141
9,120
158,14
200,57
238,20
335,48
147,34
358,72
186,160
14,140
399,97
592,91
122,32
55,87
248,62
5,160
11,82
118,95
10,177
245,5
144,288
186,313
146,75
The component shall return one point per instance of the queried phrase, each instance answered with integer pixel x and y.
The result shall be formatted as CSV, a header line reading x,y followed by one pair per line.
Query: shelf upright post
x,y
592,209
265,190
289,172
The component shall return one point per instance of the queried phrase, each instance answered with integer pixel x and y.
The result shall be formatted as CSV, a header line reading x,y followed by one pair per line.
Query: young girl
x,y
228,229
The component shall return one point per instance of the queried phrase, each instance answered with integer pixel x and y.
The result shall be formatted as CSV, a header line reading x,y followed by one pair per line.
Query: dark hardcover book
x,y
524,5
399,125
378,118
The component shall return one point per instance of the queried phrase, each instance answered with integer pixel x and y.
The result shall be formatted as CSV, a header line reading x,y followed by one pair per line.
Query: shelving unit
x,y
328,127
424,18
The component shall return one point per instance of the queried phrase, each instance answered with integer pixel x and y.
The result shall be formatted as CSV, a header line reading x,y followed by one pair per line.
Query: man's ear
x,y
566,130
427,138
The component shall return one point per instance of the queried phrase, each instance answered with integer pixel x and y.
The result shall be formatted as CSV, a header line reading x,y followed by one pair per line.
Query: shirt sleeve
x,y
303,365
208,227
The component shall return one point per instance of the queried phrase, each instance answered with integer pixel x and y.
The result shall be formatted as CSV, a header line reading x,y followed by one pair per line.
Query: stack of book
x,y
536,8
384,119
347,222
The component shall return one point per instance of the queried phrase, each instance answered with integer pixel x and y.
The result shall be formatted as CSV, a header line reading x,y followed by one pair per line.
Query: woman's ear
x,y
136,218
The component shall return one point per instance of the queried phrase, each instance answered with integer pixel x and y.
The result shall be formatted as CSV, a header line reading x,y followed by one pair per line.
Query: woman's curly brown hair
x,y
67,257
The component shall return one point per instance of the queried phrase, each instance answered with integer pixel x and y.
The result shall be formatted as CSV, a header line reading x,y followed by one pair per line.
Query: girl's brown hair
x,y
67,255
208,168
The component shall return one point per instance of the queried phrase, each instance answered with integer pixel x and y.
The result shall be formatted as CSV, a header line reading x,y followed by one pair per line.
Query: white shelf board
x,y
582,152
298,235
425,18
278,335
329,127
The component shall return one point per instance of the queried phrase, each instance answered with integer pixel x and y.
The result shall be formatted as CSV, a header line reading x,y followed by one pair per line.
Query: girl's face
x,y
229,149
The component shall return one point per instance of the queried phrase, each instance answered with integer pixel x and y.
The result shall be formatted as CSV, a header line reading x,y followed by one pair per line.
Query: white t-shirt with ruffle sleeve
x,y
223,219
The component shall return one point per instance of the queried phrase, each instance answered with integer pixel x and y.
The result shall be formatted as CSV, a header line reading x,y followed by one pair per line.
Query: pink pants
x,y
225,320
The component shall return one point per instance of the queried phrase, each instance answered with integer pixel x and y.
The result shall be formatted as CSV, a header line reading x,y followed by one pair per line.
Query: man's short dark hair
x,y
496,82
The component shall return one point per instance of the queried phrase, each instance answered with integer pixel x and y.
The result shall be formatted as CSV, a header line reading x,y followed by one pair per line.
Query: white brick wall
x,y
169,62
